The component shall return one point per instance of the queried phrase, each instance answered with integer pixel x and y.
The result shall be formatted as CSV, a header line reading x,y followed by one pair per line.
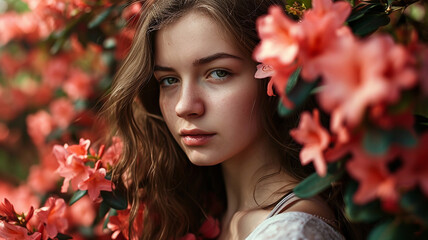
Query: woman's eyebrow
x,y
200,61
163,69
213,57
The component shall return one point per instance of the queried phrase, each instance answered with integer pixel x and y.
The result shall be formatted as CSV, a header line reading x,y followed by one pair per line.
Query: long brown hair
x,y
153,166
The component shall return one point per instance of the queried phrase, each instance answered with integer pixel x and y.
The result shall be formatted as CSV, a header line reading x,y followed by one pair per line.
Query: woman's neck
x,y
243,175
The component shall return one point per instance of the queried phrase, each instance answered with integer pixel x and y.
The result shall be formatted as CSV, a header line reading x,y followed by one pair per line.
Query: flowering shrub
x,y
371,85
365,63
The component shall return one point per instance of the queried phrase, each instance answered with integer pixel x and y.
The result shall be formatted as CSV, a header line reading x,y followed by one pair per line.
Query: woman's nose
x,y
190,104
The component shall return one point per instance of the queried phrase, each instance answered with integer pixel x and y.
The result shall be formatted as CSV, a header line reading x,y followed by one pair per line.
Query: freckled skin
x,y
197,98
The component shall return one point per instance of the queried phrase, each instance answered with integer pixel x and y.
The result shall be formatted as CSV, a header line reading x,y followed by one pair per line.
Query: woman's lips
x,y
195,136
197,139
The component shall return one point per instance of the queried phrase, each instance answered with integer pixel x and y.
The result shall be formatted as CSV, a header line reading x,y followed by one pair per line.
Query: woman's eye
x,y
167,81
219,74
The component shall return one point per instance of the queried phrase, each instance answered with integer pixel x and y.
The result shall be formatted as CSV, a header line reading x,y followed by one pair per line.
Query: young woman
x,y
197,125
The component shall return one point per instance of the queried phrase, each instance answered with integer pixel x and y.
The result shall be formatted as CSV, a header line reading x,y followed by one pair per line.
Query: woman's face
x,y
207,90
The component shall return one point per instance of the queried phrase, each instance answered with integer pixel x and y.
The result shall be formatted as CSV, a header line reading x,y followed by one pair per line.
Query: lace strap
x,y
285,202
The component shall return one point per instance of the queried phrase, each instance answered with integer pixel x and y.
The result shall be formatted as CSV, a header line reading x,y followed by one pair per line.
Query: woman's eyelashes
x,y
216,75
168,81
219,74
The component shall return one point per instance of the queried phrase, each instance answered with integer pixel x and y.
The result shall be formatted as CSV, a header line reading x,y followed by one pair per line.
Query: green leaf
x,y
421,124
393,230
315,184
116,201
361,9
377,141
112,212
55,135
61,236
369,212
102,211
403,137
369,23
100,18
76,196
415,203
298,91
18,5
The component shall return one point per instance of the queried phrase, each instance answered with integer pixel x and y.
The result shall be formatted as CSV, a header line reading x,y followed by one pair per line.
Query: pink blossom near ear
x,y
210,228
279,38
96,182
39,126
82,212
79,85
361,74
415,166
52,216
264,71
375,180
279,80
11,231
62,111
315,140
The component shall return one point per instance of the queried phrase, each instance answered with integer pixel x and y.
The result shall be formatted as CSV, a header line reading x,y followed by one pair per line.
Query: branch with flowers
x,y
366,66
57,58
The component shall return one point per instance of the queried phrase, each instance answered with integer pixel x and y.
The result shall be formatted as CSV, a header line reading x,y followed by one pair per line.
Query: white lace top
x,y
293,225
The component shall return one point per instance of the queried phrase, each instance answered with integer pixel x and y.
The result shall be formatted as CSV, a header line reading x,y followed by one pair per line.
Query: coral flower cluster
x,y
42,223
359,81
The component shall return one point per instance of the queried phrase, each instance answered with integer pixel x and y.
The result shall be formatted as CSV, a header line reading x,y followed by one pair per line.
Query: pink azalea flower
x,y
42,179
7,210
11,97
96,182
52,217
22,197
71,161
82,212
279,38
62,111
11,231
112,154
210,228
264,71
40,125
375,180
315,140
78,85
56,71
119,224
320,31
357,75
